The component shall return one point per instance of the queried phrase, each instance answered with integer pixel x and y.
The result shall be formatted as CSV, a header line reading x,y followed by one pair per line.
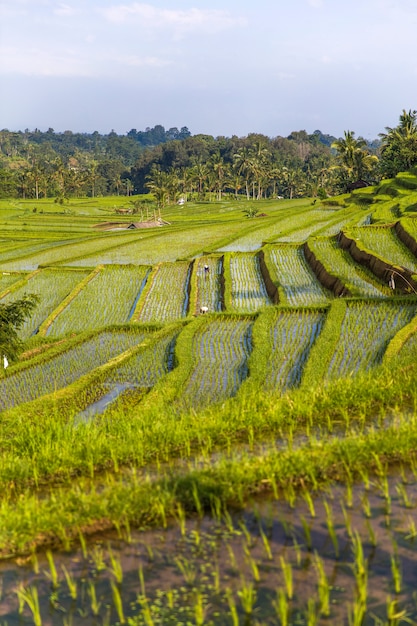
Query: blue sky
x,y
219,67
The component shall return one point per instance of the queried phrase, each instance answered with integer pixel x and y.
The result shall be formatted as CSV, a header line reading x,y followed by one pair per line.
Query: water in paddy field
x,y
99,406
315,554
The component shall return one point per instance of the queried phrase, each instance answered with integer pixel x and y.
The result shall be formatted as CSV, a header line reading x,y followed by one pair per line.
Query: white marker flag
x,y
5,361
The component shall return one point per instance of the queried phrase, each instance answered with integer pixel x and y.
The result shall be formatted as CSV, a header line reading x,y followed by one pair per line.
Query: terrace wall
x,y
379,267
270,286
406,238
330,281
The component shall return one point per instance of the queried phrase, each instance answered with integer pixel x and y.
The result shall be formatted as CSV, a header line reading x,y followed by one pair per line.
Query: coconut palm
x,y
399,145
354,160
219,169
243,164
159,185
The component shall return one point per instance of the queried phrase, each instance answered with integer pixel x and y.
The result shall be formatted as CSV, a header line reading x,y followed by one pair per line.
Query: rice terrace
x,y
214,419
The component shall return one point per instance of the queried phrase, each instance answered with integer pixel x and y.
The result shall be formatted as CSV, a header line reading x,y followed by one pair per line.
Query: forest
x,y
173,163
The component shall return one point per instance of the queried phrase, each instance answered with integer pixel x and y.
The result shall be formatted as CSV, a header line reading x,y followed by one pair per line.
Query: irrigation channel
x,y
306,559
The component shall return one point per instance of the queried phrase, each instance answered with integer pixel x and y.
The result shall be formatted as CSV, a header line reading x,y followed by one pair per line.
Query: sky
x,y
219,67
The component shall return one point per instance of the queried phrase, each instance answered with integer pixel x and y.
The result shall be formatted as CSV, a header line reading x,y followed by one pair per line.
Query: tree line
x,y
173,163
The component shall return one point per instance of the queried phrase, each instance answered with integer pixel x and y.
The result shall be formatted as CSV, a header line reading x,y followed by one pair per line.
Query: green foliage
x,y
12,318
399,145
251,211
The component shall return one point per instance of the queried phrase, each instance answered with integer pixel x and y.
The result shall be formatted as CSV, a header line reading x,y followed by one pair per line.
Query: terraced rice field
x,y
109,298
247,289
160,246
366,330
147,365
410,224
209,284
289,268
50,374
286,228
8,279
385,243
291,336
60,252
409,349
340,263
220,350
167,298
139,372
22,250
52,286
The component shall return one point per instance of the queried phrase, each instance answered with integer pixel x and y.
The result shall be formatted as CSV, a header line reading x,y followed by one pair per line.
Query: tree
x,y
219,170
399,145
354,161
243,164
12,318
158,184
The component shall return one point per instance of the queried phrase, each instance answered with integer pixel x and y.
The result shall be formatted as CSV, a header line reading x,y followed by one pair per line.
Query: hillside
x,y
174,377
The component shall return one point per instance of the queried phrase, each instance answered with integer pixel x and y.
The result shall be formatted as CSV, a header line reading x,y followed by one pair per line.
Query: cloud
x,y
209,20
135,61
64,10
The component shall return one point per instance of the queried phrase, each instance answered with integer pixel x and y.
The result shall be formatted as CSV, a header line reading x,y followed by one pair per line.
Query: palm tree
x,y
354,160
406,129
158,185
242,162
199,173
399,145
219,169
235,181
347,147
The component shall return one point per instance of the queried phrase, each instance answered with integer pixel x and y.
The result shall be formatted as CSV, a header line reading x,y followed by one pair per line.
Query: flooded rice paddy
x,y
347,555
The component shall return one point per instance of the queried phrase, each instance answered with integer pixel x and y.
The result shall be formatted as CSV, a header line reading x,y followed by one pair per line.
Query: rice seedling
x,y
94,603
323,586
71,583
232,607
371,534
307,532
282,607
395,616
312,613
115,566
331,529
266,543
288,577
248,595
396,570
52,574
29,595
118,602
366,505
